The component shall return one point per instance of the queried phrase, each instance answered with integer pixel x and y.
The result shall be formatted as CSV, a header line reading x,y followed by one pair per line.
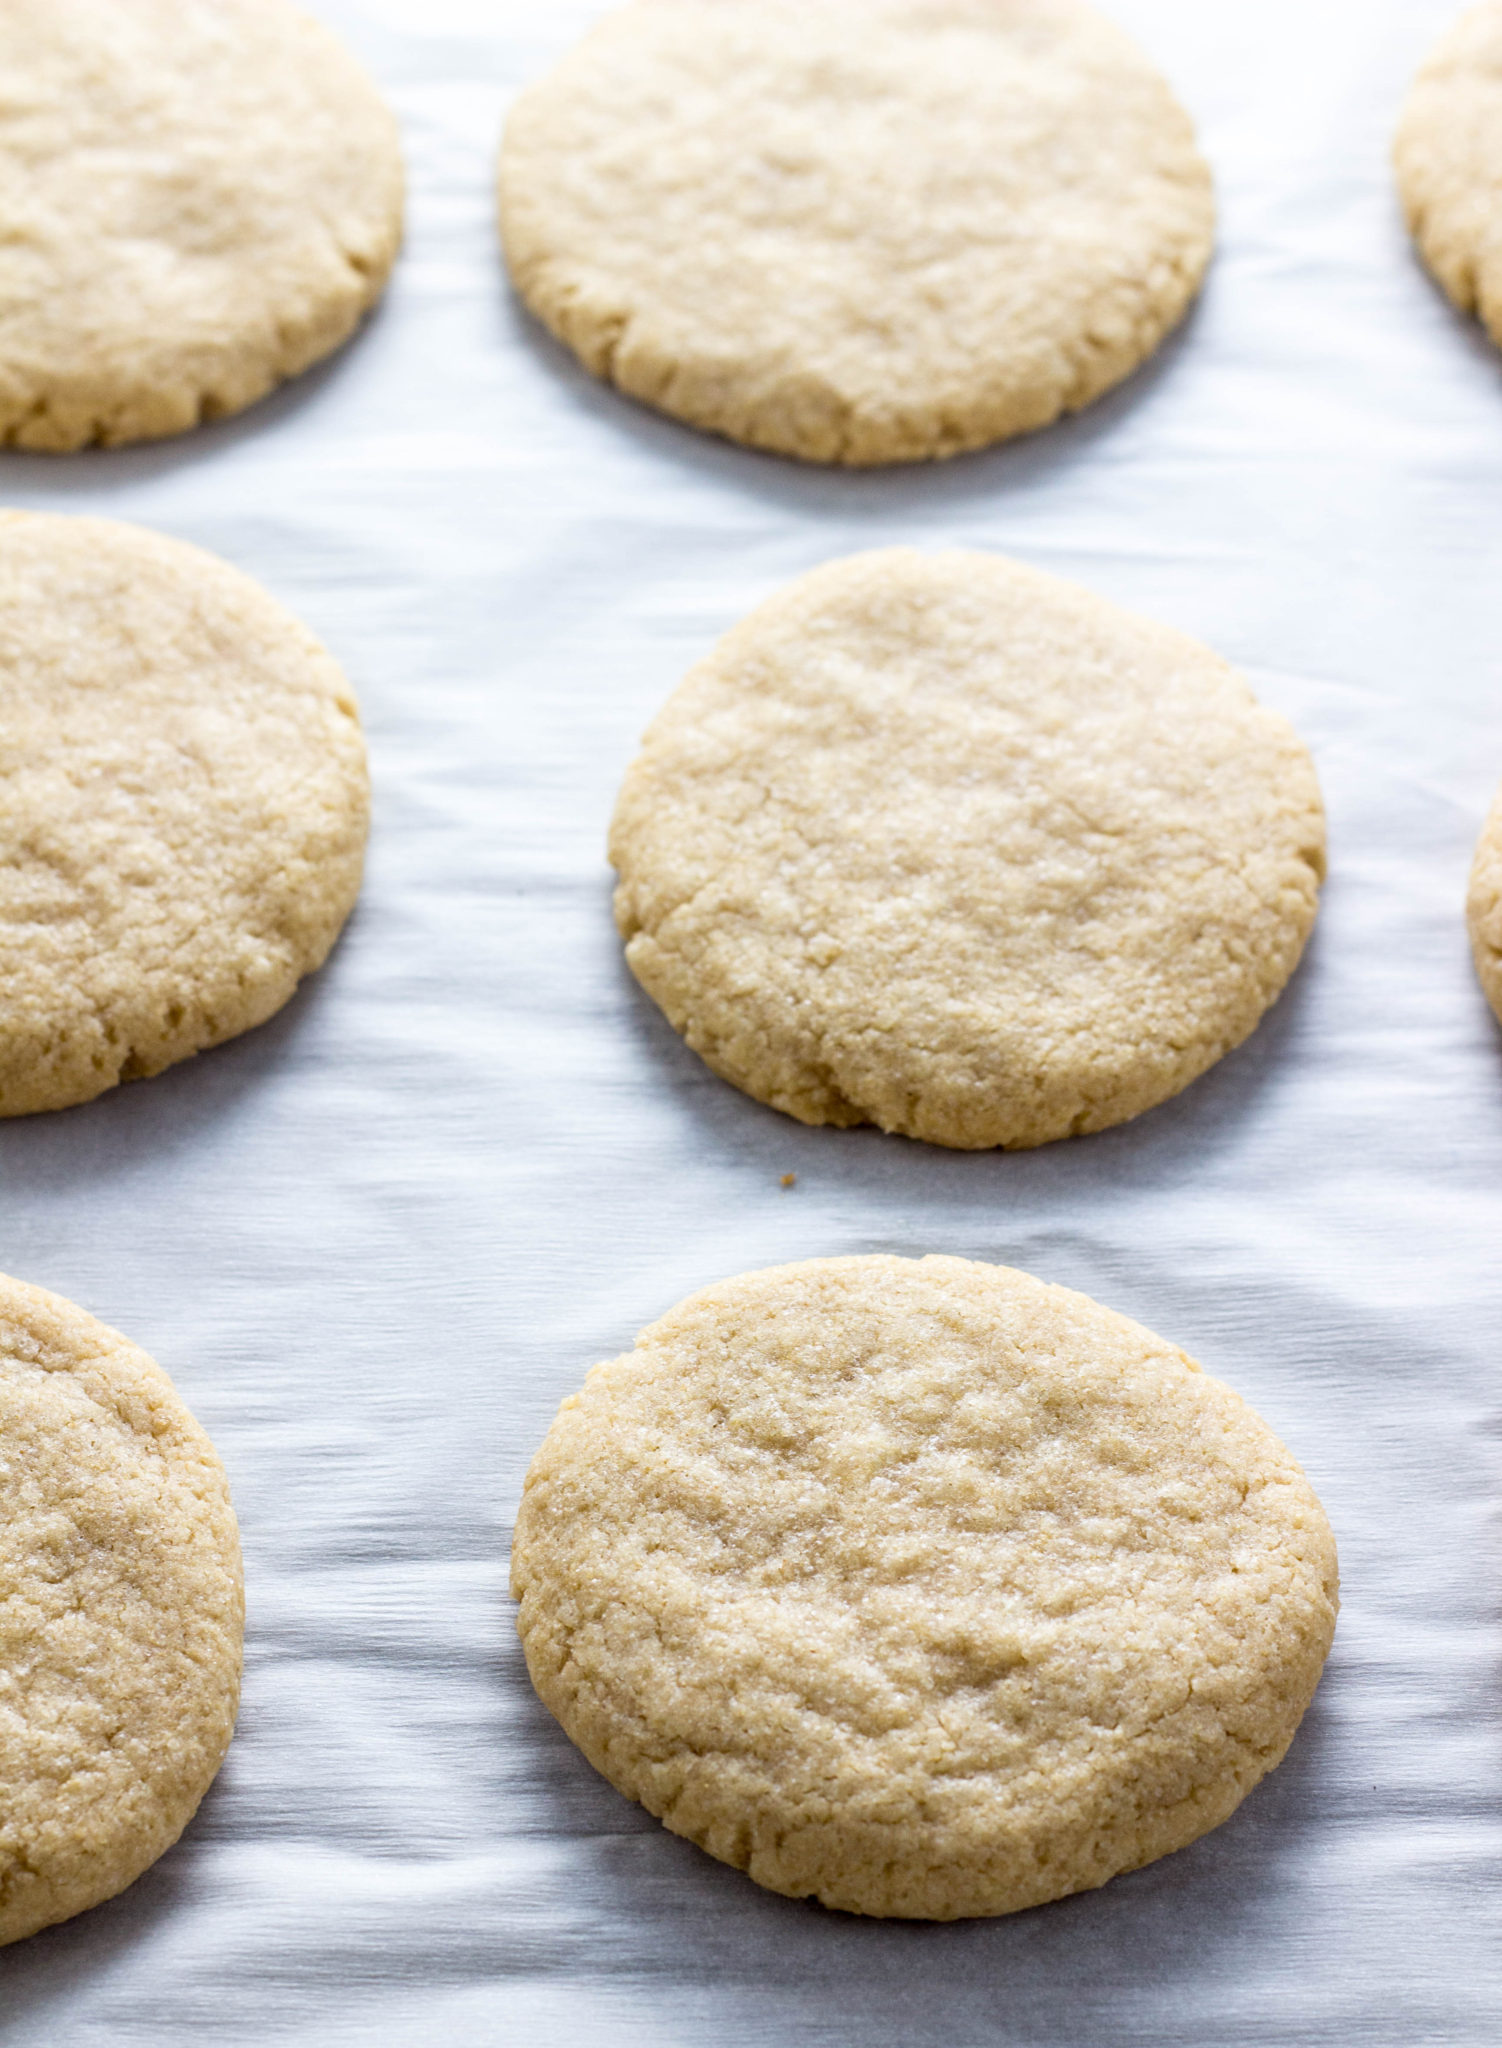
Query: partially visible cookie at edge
x,y
945,844
1449,163
1484,908
121,1612
196,202
860,232
184,804
921,1588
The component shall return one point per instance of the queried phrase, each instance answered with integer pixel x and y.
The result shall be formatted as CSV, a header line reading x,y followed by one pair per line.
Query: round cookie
x,y
1449,163
183,806
943,844
1484,908
198,198
920,1587
120,1612
858,232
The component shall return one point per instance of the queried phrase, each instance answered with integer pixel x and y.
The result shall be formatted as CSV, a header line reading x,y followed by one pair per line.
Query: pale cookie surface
x,y
1484,908
920,1587
120,1612
943,844
183,806
198,198
1449,162
864,231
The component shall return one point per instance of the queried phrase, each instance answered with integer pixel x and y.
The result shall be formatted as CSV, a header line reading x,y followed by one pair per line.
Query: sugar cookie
x,y
198,198
862,231
943,844
920,1587
120,1612
1449,163
183,805
1484,908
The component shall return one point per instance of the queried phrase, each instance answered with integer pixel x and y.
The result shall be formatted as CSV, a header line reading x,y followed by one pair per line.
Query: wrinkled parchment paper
x,y
377,1241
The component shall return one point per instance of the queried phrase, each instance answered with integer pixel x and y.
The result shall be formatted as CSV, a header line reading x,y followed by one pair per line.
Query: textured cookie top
x,y
1449,160
921,1587
183,805
863,231
197,199
943,844
1484,907
120,1611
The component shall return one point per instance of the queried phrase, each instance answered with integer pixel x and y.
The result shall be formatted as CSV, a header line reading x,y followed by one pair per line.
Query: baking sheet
x,y
378,1240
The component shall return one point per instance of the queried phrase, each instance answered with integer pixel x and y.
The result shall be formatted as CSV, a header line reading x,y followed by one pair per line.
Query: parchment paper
x,y
377,1241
